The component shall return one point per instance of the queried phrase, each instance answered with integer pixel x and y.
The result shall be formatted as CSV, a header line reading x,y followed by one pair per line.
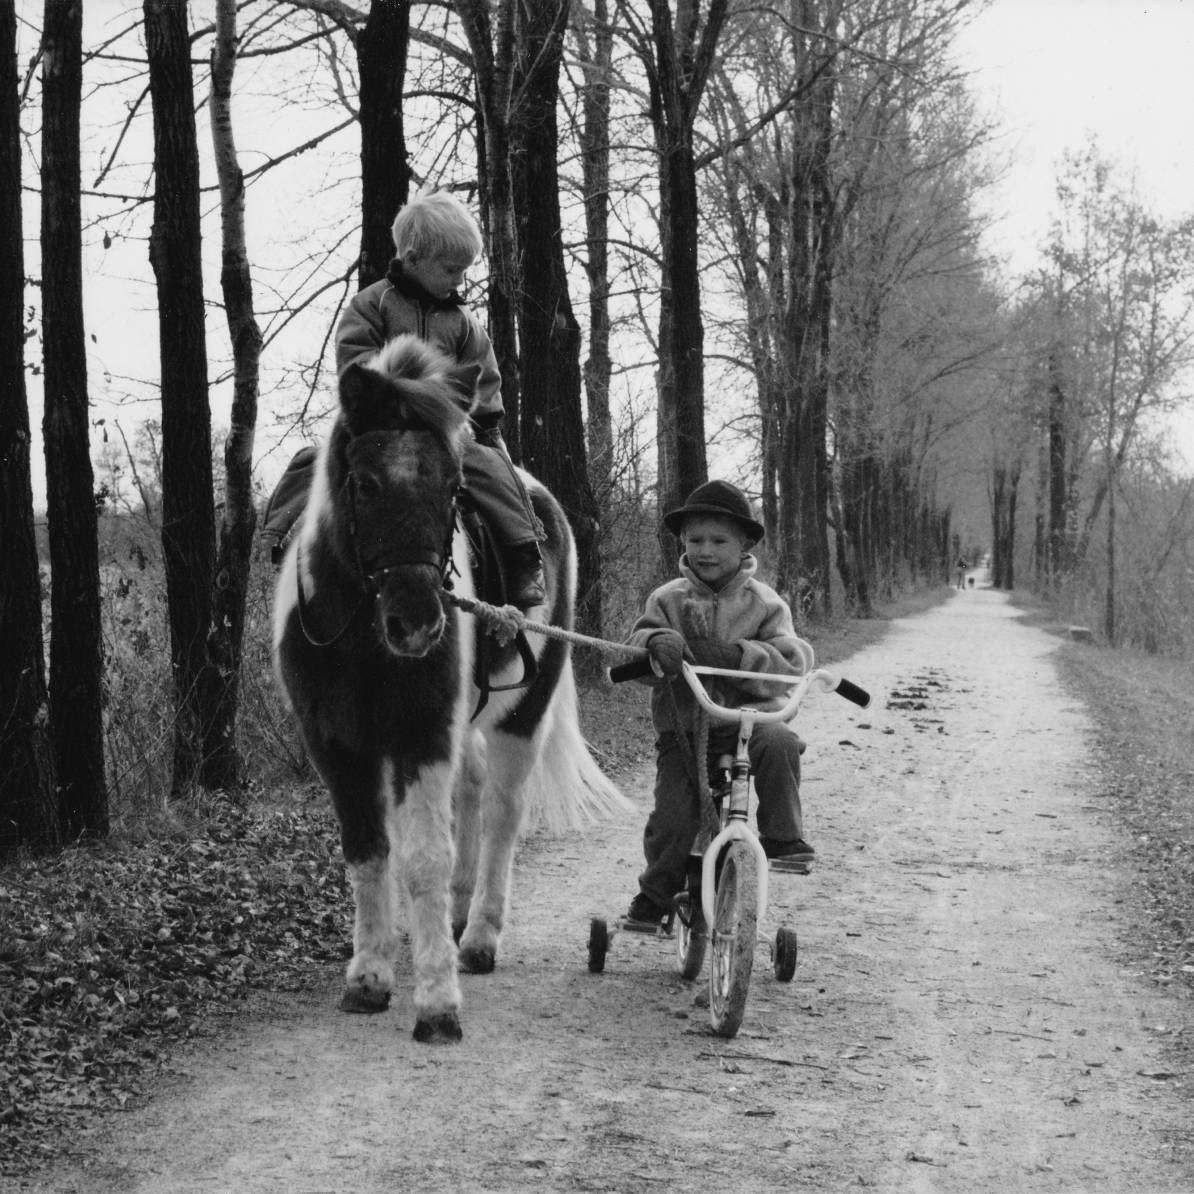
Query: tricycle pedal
x,y
789,866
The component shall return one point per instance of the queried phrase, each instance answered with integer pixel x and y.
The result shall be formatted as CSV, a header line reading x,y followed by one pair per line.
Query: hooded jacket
x,y
398,304
745,612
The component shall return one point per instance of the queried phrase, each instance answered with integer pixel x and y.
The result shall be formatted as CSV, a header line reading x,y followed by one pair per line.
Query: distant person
x,y
717,614
436,240
960,568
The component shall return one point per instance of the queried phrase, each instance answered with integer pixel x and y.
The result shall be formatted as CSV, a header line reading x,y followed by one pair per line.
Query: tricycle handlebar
x,y
819,678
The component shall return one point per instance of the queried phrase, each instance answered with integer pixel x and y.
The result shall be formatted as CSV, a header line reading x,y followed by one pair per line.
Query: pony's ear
x,y
359,393
463,379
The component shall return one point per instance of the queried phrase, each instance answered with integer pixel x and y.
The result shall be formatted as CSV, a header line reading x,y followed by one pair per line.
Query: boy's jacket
x,y
747,613
398,304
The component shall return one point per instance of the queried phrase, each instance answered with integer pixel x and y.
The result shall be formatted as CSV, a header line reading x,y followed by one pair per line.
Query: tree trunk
x,y
493,58
596,59
76,647
385,173
188,517
221,760
28,812
1110,629
553,426
677,59
807,328
1056,561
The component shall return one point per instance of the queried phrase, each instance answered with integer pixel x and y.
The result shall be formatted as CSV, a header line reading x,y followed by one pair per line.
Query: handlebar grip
x,y
852,692
630,671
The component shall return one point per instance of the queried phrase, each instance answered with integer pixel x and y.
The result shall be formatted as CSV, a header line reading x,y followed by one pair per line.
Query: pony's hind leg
x,y
466,808
502,806
423,835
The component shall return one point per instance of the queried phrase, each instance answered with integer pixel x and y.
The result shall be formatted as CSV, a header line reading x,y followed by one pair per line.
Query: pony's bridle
x,y
371,579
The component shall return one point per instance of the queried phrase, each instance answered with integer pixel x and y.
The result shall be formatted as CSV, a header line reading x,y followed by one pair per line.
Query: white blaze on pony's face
x,y
407,416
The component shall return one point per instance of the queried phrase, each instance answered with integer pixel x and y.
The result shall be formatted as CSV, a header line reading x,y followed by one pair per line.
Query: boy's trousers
x,y
673,824
490,477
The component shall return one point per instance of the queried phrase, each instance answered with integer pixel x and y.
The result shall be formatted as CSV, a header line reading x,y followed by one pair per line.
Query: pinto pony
x,y
378,668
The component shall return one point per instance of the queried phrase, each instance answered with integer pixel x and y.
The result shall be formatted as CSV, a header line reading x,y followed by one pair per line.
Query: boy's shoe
x,y
645,910
527,584
797,850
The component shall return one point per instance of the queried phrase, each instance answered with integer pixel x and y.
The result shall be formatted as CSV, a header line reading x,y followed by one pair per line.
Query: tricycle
x,y
728,871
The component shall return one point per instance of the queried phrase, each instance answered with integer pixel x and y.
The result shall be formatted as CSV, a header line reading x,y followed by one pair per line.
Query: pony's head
x,y
394,468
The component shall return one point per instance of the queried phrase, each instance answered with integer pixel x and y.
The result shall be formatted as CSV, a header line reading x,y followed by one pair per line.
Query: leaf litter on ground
x,y
111,954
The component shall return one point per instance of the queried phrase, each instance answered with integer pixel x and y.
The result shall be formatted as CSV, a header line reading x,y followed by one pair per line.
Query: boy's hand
x,y
712,652
666,648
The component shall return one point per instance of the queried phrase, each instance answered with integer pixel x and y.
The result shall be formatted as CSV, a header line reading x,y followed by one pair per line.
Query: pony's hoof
x,y
364,1000
441,1029
478,960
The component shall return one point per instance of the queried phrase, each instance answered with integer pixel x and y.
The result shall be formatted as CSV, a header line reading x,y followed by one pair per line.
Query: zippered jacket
x,y
398,304
746,613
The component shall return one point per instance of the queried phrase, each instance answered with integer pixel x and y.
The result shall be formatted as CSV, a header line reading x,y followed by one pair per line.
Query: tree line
x,y
714,233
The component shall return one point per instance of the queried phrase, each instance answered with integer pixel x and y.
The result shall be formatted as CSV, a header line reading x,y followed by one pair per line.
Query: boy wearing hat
x,y
718,614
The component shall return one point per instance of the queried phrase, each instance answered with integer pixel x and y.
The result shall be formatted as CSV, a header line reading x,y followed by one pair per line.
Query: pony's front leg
x,y
423,835
502,806
363,795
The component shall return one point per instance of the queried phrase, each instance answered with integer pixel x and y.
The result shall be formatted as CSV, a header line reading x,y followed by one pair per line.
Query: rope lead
x,y
505,621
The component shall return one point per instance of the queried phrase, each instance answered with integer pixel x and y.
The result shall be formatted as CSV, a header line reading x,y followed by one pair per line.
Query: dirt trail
x,y
964,1016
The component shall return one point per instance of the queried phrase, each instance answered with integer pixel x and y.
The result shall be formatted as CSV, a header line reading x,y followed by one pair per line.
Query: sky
x,y
1053,71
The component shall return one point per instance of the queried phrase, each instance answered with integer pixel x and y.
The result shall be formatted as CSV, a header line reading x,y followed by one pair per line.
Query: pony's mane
x,y
422,373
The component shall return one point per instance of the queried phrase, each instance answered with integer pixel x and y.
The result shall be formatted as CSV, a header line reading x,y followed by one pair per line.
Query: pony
x,y
431,783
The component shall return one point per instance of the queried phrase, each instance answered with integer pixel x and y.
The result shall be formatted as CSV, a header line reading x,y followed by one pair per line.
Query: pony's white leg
x,y
370,977
467,810
509,762
422,825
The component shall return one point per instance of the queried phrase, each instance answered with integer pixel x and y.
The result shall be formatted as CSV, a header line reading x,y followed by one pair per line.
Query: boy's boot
x,y
526,584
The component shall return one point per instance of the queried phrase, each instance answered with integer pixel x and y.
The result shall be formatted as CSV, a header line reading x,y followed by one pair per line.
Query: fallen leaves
x,y
111,953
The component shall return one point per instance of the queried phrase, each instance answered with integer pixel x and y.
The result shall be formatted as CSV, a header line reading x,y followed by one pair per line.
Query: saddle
x,y
285,506
490,585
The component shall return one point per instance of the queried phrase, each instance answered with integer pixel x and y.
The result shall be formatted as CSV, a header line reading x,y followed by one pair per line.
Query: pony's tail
x,y
567,790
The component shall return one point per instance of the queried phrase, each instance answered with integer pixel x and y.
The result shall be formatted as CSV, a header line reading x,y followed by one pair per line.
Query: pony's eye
x,y
367,487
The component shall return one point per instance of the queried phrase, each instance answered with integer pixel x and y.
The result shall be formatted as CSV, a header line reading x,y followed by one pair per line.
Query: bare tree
x,y
221,761
1128,288
677,52
76,650
188,516
385,173
594,37
28,812
549,336
490,31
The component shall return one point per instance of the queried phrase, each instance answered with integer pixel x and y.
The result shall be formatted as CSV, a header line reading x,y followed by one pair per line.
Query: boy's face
x,y
714,546
439,273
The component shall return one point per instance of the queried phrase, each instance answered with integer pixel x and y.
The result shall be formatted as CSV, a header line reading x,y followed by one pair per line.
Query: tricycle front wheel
x,y
735,916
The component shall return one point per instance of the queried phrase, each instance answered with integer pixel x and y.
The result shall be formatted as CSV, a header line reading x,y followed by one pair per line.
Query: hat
x,y
719,498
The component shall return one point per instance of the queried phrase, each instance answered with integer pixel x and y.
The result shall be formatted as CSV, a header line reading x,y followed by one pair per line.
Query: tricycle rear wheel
x,y
598,944
786,951
692,935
